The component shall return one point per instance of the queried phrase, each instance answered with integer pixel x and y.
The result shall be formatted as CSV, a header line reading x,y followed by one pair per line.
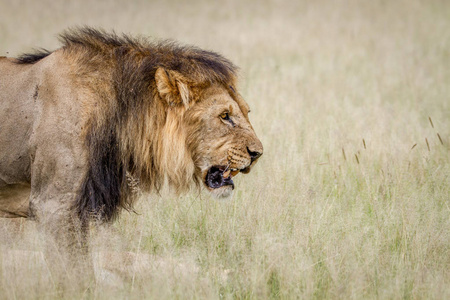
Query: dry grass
x,y
349,201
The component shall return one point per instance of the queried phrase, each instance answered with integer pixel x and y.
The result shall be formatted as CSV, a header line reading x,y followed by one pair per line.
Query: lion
x,y
77,123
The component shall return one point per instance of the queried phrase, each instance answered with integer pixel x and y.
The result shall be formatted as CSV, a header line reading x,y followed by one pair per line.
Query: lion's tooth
x,y
226,174
234,173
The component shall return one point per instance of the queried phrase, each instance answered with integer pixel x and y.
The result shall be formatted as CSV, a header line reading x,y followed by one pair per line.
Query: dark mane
x,y
191,61
31,58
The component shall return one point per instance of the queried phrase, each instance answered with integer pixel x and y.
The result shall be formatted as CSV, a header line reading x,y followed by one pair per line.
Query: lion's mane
x,y
129,131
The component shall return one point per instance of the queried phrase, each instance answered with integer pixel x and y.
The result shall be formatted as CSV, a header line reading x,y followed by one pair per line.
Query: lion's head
x,y
219,138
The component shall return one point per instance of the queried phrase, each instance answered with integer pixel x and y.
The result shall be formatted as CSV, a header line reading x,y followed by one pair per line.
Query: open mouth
x,y
219,176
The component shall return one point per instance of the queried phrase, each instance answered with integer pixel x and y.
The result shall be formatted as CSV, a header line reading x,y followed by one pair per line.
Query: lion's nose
x,y
253,154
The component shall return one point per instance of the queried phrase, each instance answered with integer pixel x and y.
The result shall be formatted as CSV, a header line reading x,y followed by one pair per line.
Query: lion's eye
x,y
225,116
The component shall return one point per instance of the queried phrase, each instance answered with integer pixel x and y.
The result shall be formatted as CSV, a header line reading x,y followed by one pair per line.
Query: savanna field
x,y
351,199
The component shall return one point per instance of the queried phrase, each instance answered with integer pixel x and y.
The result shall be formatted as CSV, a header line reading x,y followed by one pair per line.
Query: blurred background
x,y
351,198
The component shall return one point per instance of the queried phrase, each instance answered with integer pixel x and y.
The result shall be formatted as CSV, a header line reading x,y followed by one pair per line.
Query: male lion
x,y
77,123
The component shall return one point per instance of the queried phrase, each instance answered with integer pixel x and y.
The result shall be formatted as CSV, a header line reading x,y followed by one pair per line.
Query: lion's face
x,y
221,138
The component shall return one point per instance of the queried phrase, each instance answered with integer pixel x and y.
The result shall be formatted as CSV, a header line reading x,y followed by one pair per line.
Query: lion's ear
x,y
172,87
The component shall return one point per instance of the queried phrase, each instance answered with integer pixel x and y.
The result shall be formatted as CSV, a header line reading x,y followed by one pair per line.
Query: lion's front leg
x,y
55,184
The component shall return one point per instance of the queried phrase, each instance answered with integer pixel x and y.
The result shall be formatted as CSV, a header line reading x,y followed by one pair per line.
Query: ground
x,y
349,201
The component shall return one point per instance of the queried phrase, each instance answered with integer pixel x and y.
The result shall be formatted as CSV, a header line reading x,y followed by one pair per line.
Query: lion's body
x,y
77,123
39,115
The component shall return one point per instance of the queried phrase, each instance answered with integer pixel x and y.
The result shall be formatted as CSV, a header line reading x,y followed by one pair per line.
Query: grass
x,y
351,197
